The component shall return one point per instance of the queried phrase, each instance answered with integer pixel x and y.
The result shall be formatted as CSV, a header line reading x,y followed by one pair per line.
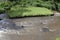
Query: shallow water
x,y
35,28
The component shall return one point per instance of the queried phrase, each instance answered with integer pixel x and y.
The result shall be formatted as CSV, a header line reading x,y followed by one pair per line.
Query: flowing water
x,y
33,28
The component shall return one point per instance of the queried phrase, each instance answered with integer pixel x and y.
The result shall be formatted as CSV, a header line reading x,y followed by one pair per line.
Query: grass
x,y
30,11
58,38
37,11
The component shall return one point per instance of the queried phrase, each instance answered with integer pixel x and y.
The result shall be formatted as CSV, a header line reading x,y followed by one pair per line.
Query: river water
x,y
34,28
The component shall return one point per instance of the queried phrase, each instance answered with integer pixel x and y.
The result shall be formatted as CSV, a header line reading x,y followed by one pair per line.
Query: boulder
x,y
7,24
3,16
56,14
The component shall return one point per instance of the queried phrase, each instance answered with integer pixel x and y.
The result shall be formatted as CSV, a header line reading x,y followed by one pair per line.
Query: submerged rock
x,y
45,29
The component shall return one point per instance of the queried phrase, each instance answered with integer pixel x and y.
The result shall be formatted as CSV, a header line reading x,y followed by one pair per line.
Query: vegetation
x,y
58,38
30,11
34,7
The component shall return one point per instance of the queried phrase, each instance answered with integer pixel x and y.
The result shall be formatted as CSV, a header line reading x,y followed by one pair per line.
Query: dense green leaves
x,y
50,4
30,11
18,5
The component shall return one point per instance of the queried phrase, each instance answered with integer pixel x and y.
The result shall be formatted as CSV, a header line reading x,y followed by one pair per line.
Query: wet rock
x,y
57,14
22,26
3,16
44,22
8,24
45,29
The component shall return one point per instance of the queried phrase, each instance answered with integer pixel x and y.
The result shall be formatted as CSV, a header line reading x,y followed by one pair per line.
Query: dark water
x,y
35,28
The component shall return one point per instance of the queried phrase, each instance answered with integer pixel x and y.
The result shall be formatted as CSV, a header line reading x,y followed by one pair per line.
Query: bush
x,y
18,11
6,6
59,7
1,9
39,5
47,4
53,8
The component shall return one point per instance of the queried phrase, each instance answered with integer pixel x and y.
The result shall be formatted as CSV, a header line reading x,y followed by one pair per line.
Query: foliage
x,y
58,38
47,4
29,11
50,4
20,7
58,6
1,9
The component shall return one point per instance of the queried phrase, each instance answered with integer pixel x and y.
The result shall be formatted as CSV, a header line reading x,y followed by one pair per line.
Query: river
x,y
35,28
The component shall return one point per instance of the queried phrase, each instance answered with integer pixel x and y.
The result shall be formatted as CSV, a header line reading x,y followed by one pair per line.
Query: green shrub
x,y
18,11
39,5
6,6
1,9
58,6
47,4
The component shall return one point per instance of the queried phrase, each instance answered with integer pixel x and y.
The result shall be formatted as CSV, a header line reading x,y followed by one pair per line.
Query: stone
x,y
56,14
7,24
3,16
45,29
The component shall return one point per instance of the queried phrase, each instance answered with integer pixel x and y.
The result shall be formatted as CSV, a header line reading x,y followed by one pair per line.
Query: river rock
x,y
3,16
45,29
7,24
57,14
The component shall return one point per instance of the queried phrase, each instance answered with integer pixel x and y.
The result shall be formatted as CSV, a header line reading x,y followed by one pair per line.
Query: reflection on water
x,y
34,28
